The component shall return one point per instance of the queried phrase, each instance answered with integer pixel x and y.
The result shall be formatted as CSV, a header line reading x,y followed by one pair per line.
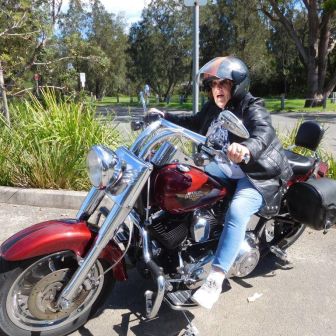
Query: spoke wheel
x,y
281,234
30,301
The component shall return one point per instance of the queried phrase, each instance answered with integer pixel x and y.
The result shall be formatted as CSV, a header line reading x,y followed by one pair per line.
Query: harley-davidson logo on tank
x,y
193,195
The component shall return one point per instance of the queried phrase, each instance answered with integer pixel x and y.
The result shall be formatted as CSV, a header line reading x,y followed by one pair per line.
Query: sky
x,y
131,9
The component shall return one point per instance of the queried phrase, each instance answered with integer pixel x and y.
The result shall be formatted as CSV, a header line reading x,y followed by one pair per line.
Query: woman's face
x,y
221,91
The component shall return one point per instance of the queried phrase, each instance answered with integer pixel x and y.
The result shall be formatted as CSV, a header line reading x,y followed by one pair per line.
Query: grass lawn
x,y
272,104
293,105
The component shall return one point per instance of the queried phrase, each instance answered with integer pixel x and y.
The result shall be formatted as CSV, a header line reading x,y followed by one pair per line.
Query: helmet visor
x,y
214,69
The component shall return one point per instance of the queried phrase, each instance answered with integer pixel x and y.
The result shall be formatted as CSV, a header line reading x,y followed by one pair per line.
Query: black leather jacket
x,y
268,168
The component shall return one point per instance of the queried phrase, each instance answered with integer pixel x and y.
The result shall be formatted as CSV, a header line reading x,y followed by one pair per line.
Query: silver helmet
x,y
228,67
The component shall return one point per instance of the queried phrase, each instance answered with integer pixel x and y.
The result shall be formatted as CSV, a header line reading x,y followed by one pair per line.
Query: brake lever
x,y
246,159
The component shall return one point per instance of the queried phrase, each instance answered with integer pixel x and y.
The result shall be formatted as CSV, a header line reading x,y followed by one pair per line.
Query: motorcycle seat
x,y
300,164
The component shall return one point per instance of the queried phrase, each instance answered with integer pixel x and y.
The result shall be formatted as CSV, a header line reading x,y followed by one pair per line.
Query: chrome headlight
x,y
104,167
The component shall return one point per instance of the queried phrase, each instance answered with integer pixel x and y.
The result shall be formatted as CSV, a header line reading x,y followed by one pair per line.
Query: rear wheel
x,y
279,233
29,292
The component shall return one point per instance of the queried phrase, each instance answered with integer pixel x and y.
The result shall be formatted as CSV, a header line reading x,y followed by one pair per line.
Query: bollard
x,y
333,97
324,101
282,97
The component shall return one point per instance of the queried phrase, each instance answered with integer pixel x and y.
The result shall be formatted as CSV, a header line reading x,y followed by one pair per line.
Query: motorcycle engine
x,y
248,257
172,230
204,225
169,230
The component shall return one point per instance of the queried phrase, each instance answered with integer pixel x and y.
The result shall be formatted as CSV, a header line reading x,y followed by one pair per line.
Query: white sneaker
x,y
208,293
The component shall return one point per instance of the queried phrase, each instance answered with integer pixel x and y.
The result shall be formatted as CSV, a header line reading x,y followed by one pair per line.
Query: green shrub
x,y
46,146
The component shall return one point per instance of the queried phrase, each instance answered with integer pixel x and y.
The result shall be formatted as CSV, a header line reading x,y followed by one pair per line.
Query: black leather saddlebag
x,y
313,202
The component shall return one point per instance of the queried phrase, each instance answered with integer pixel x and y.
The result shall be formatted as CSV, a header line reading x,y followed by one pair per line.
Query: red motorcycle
x,y
154,208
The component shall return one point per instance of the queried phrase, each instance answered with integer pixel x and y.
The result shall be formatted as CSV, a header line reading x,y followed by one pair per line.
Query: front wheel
x,y
29,292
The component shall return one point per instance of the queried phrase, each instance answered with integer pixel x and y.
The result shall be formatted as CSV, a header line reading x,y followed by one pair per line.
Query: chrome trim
x,y
152,310
200,227
164,154
195,137
140,173
152,135
130,224
144,136
133,218
90,203
169,130
148,207
158,138
145,245
181,308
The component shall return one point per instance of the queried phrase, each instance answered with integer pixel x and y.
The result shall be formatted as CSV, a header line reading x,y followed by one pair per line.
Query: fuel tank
x,y
181,188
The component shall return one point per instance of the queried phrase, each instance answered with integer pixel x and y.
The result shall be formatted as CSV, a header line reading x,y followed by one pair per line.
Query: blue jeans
x,y
246,201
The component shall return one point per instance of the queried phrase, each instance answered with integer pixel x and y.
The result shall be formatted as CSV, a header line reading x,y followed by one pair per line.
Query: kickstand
x,y
191,329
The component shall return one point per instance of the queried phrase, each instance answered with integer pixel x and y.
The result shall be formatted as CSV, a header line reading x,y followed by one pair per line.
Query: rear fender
x,y
59,235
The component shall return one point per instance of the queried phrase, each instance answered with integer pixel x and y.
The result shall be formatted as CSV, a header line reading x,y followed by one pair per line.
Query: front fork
x,y
137,173
116,216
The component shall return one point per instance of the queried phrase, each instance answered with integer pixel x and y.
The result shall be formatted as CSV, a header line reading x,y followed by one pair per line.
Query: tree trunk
x,y
312,83
4,97
314,56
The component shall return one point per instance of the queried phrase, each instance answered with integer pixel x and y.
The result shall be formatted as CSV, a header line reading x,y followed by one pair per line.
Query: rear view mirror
x,y
233,124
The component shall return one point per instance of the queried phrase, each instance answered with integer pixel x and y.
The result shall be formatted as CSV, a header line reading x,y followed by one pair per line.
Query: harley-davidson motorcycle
x,y
153,207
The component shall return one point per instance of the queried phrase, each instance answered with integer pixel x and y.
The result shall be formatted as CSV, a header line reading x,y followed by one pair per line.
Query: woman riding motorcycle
x,y
258,181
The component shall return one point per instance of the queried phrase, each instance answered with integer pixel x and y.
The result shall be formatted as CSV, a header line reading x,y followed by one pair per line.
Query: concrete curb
x,y
48,198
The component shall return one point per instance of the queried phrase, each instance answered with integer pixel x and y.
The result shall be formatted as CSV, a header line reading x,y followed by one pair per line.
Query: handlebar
x,y
217,155
142,147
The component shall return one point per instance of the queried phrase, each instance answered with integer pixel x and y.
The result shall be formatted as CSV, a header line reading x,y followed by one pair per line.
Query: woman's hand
x,y
154,110
237,152
153,114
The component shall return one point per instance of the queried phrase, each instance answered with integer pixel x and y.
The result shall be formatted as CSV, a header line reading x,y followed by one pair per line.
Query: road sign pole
x,y
195,4
195,56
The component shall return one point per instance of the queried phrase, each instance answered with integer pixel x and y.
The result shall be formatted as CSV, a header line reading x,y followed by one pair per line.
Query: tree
x,y
107,33
97,41
289,75
160,46
26,27
315,42
73,46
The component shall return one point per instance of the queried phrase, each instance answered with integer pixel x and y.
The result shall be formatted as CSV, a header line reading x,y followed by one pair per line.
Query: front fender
x,y
58,235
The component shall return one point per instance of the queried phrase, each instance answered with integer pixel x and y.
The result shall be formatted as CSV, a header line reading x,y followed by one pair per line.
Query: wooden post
x,y
4,97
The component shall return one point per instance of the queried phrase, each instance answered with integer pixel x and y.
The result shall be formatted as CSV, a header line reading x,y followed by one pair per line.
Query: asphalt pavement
x,y
298,299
